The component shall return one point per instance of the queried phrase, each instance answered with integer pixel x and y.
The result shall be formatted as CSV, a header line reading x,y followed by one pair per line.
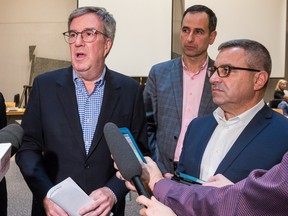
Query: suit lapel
x,y
257,124
110,100
176,75
198,150
67,98
206,97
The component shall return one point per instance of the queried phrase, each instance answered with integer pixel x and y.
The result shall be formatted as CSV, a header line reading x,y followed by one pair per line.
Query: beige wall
x,y
41,23
261,20
143,35
24,23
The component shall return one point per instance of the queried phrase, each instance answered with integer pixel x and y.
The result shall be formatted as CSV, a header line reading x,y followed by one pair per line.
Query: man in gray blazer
x,y
178,90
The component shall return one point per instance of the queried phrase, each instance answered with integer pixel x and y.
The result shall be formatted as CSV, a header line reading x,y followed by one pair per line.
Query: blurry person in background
x,y
279,89
283,105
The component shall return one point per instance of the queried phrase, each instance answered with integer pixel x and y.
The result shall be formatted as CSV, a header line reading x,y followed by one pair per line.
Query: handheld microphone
x,y
13,134
124,157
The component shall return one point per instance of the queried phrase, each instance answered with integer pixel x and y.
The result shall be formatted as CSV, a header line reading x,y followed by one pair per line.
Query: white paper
x,y
5,154
69,196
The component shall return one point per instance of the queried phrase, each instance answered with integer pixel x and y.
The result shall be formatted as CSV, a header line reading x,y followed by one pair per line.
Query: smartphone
x,y
128,136
186,179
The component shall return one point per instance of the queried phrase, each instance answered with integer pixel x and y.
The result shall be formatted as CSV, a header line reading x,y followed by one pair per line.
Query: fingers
x,y
102,204
148,159
142,200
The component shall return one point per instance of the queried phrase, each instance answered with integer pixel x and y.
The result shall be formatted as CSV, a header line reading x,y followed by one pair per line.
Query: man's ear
x,y
212,37
108,45
260,79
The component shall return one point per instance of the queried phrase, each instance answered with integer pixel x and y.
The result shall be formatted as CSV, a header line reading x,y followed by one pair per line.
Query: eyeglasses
x,y
87,35
225,70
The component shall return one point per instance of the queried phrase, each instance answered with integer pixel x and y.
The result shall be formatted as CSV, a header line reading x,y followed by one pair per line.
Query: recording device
x,y
129,138
124,157
186,179
13,134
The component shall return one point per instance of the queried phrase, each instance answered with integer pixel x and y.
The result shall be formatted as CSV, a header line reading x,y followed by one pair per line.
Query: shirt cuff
x,y
115,198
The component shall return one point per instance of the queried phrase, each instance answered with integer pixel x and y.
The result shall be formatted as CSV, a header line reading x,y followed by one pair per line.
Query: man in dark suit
x,y
243,133
178,90
3,189
64,120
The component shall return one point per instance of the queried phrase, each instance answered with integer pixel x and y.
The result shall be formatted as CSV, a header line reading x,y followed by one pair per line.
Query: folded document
x,y
69,196
5,154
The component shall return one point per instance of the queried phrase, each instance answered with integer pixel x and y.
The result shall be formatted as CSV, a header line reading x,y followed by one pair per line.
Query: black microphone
x,y
13,134
124,157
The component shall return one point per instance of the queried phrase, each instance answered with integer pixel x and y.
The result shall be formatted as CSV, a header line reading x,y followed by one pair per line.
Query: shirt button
x,y
87,166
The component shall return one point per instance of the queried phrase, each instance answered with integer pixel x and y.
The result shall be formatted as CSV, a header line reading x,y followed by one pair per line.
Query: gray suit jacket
x,y
163,98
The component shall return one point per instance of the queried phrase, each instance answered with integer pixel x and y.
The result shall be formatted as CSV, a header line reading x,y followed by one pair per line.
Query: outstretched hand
x,y
153,207
218,181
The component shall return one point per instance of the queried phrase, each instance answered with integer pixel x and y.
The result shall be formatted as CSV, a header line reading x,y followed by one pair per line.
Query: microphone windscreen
x,y
13,134
122,153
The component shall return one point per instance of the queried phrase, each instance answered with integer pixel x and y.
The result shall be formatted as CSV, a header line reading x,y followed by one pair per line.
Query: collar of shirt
x,y
244,117
202,68
99,82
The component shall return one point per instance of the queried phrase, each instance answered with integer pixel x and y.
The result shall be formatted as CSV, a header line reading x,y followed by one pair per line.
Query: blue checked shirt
x,y
89,106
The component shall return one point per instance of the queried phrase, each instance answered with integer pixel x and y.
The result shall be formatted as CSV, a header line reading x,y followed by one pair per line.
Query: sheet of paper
x,y
5,154
69,196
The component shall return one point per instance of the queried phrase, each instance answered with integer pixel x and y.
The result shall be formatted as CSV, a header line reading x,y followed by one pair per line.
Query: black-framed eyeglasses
x,y
87,35
225,70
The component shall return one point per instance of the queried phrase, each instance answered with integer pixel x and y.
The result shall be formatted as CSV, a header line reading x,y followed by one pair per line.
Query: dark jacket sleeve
x,y
3,119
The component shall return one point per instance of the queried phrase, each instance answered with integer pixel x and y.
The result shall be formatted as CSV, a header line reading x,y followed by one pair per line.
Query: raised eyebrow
x,y
72,30
199,29
185,27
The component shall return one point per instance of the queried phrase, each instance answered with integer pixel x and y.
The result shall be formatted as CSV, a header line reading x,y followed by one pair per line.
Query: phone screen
x,y
128,136
191,178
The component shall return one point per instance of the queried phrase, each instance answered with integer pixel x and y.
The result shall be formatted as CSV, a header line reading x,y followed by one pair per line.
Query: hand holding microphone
x,y
124,157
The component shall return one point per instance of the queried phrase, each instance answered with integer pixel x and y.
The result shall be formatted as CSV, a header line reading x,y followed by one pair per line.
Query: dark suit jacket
x,y
3,190
261,145
53,146
163,98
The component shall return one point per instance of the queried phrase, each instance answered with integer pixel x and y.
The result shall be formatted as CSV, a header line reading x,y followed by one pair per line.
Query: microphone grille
x,y
121,151
12,133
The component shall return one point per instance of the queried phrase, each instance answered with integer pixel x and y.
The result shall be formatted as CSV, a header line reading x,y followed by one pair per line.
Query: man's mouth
x,y
80,55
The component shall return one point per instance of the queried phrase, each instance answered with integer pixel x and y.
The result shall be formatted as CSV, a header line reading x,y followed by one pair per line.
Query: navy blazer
x,y
53,145
261,145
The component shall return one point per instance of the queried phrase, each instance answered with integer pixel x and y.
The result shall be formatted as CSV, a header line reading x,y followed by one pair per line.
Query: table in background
x,y
15,115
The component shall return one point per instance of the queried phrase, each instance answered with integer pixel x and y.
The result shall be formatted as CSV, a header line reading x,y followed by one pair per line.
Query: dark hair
x,y
201,8
257,56
109,22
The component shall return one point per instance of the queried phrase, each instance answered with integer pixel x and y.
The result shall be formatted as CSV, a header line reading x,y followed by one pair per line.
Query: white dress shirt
x,y
223,137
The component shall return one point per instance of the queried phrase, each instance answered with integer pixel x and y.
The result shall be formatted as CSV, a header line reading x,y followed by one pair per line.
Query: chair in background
x,y
39,65
274,103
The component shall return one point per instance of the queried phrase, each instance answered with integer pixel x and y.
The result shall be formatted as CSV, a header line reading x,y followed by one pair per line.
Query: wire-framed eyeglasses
x,y
87,35
225,70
